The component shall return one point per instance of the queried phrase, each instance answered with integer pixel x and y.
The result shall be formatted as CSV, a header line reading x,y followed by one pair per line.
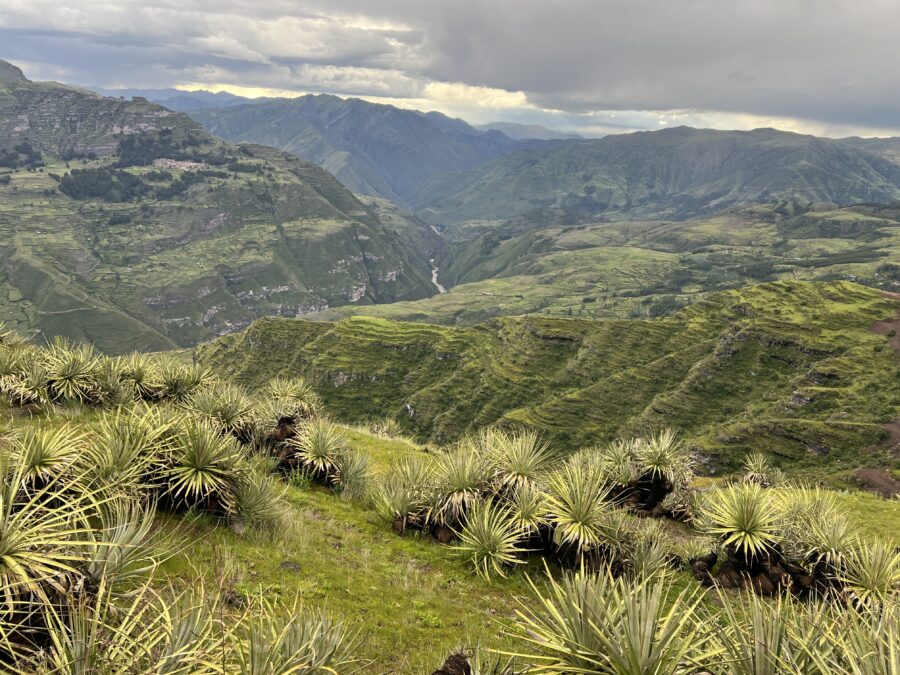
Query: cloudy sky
x,y
828,67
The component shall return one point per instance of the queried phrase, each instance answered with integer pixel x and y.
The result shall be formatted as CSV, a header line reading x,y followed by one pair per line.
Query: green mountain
x,y
673,173
373,149
791,368
128,225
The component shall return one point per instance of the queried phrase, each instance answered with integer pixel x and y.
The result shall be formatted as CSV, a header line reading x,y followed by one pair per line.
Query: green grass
x,y
414,601
156,272
635,269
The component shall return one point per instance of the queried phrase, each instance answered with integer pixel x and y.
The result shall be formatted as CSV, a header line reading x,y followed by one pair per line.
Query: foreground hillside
x,y
127,225
160,519
789,368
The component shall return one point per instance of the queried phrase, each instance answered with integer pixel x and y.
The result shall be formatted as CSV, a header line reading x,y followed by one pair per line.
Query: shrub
x,y
352,475
204,468
577,505
594,623
461,478
289,640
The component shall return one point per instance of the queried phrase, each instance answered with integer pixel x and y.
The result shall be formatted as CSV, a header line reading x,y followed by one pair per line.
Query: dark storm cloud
x,y
831,61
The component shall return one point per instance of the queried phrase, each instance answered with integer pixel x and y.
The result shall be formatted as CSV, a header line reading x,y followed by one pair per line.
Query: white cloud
x,y
590,65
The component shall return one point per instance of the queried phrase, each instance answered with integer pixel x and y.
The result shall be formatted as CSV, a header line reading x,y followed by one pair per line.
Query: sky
x,y
827,67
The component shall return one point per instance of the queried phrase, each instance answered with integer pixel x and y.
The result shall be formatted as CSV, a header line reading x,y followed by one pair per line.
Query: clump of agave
x,y
499,494
796,538
597,622
80,553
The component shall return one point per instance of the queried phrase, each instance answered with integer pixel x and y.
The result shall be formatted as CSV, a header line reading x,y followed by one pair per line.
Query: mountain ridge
x,y
373,149
677,172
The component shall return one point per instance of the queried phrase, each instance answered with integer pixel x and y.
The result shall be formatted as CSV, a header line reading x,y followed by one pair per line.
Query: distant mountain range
x,y
673,173
373,149
527,131
452,172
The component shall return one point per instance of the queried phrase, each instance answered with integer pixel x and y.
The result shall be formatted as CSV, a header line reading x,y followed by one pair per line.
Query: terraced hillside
x,y
128,226
790,368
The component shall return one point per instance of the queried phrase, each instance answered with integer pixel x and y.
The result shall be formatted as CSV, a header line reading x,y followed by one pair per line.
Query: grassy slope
x,y
411,599
790,368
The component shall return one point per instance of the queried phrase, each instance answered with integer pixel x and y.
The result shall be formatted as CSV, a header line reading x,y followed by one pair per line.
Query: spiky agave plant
x,y
40,532
123,550
461,481
649,552
224,405
127,449
865,641
577,505
148,633
745,517
815,529
318,447
386,427
72,371
619,461
109,388
872,571
771,637
595,623
141,373
352,477
257,500
31,387
490,540
179,380
296,392
402,497
663,456
528,510
291,640
11,366
203,467
517,457
46,454
10,338
757,469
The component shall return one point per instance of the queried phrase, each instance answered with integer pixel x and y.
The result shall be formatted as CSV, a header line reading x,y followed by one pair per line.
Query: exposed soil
x,y
887,325
878,481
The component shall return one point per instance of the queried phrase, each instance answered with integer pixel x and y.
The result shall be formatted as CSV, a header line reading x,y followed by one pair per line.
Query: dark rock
x,y
456,664
444,534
